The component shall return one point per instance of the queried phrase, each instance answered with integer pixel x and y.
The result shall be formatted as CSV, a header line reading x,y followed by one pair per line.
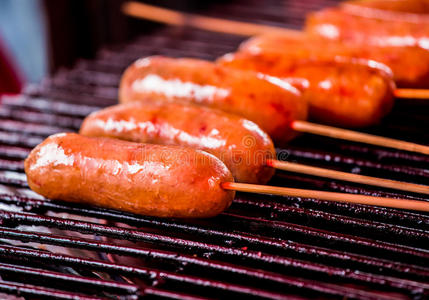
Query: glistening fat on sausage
x,y
410,65
239,143
272,105
153,180
402,7
343,92
365,26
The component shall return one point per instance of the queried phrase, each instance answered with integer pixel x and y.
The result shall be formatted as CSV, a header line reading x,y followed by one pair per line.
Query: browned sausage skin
x,y
342,91
410,65
273,106
239,143
407,7
153,180
366,27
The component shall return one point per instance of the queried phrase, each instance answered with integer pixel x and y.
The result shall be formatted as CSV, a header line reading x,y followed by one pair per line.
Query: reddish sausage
x,y
410,65
272,106
363,27
342,91
239,143
153,180
404,8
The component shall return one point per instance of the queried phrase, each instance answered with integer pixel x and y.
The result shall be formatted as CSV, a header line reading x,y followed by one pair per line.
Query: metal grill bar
x,y
49,119
374,265
50,106
332,158
183,260
413,237
11,219
34,274
27,290
276,210
151,274
319,237
14,152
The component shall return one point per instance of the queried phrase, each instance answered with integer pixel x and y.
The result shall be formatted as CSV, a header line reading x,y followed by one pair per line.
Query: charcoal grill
x,y
262,247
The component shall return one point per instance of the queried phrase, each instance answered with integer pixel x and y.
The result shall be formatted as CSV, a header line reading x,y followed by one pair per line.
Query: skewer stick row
x,y
167,16
412,93
354,136
249,143
134,193
328,196
344,176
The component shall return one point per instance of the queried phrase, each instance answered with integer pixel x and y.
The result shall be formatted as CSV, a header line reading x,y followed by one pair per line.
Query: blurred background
x,y
37,37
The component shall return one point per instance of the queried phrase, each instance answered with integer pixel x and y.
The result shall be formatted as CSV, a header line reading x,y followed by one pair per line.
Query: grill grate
x,y
262,247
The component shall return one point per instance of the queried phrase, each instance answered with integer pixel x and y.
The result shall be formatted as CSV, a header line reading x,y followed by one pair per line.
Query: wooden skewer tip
x,y
354,136
350,177
412,93
328,196
172,17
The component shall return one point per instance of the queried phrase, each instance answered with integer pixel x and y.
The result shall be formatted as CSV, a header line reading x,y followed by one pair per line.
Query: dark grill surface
x,y
263,246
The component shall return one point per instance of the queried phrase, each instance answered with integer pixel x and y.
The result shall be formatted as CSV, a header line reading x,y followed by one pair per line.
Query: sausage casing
x,y
363,27
342,91
410,65
239,143
153,180
410,7
273,106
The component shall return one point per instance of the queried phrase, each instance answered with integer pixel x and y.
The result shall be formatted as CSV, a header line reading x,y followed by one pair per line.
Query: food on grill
x,y
273,106
238,142
410,65
407,6
154,180
370,28
343,92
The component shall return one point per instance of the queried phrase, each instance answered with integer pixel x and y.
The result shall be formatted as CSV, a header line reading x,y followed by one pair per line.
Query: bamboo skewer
x,y
344,176
172,17
412,93
354,136
168,16
328,196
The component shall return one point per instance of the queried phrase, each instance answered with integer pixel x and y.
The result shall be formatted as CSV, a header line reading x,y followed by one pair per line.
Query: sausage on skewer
x,y
400,6
244,148
410,65
359,100
239,143
154,180
352,93
341,92
272,106
370,27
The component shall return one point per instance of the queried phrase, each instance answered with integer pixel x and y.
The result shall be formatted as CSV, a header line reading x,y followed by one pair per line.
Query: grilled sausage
x,y
239,143
273,106
342,91
153,180
410,65
362,27
419,7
